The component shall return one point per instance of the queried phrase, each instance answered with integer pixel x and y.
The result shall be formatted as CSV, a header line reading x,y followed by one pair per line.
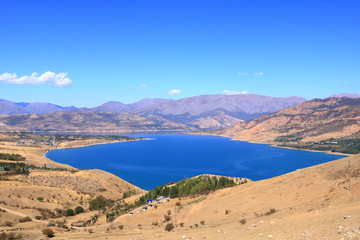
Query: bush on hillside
x,y
79,210
69,212
100,202
48,232
169,227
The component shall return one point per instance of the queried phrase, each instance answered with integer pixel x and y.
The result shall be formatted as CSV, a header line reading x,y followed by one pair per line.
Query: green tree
x,y
69,212
79,209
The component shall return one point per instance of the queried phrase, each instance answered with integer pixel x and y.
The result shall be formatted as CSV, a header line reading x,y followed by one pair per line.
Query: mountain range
x,y
315,120
199,112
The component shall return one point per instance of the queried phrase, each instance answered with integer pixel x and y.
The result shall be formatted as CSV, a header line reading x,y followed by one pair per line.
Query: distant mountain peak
x,y
349,95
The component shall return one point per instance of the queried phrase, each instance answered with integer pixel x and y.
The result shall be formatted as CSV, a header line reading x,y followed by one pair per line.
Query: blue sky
x,y
129,50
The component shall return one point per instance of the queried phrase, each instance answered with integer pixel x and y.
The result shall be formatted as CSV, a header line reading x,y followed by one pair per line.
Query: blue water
x,y
166,158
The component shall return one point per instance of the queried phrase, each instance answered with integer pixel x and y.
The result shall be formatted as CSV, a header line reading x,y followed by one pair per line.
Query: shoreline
x,y
84,144
273,144
81,145
310,150
35,154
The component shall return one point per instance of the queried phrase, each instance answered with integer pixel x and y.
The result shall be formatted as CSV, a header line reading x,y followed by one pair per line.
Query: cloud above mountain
x,y
174,91
230,92
56,79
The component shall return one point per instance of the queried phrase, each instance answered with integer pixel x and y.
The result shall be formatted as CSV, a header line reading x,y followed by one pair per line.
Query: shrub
x,y
169,212
243,221
25,219
178,204
202,222
69,212
181,224
167,218
79,209
51,224
11,236
271,211
61,224
59,211
121,227
99,202
169,227
227,212
38,217
40,199
110,216
155,223
8,224
48,232
3,236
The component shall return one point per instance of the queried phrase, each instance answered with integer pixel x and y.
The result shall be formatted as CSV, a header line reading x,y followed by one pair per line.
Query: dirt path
x,y
22,215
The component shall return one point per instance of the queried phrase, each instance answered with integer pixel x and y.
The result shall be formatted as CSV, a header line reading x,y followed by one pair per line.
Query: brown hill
x,y
88,122
312,203
93,182
315,120
320,202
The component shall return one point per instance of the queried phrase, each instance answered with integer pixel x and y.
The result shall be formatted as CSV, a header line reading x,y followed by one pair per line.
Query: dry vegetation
x,y
312,121
313,203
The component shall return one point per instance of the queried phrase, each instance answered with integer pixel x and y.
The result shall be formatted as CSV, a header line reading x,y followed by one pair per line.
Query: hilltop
x,y
318,121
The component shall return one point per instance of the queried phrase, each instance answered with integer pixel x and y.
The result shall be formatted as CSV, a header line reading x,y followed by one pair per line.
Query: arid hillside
x,y
315,120
312,203
320,202
36,192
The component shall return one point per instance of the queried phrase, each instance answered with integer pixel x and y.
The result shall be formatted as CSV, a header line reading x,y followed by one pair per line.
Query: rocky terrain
x,y
188,114
315,120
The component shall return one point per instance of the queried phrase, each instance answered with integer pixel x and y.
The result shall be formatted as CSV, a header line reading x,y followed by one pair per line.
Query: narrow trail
x,y
46,222
22,215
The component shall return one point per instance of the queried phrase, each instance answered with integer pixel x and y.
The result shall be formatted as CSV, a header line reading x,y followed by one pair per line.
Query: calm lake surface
x,y
166,158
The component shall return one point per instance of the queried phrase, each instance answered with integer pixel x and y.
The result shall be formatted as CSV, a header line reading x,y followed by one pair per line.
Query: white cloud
x,y
242,74
230,92
259,74
59,80
174,91
138,86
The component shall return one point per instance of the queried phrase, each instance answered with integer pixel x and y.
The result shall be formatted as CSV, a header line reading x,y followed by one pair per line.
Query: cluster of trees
x,y
11,157
72,212
15,168
129,193
188,187
100,202
349,146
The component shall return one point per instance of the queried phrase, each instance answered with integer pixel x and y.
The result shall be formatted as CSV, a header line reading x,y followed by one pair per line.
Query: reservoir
x,y
166,158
